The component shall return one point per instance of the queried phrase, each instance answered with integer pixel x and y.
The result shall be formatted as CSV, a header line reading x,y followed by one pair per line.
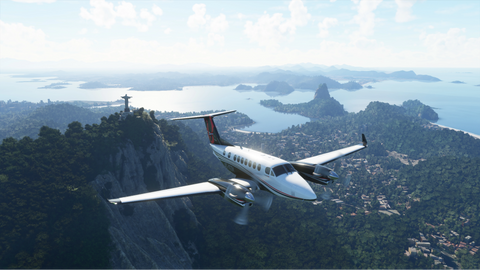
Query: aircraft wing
x,y
334,155
195,189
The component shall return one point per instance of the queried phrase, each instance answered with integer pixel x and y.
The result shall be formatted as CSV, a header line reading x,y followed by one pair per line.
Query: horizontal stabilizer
x,y
203,116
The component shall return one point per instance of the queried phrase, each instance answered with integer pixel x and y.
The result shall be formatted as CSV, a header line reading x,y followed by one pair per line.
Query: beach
x,y
469,133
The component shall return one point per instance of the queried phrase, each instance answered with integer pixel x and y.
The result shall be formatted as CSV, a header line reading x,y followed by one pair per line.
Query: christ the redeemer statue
x,y
126,102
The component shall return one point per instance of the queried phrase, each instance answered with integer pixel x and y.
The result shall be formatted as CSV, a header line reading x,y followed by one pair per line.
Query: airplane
x,y
255,173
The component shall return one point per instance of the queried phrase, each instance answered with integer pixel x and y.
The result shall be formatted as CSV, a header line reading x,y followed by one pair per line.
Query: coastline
x,y
469,133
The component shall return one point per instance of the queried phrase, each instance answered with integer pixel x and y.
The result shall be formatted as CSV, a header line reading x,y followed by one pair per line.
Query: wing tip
x,y
115,201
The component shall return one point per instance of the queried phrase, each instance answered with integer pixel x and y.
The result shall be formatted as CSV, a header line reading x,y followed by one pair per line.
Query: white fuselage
x,y
273,174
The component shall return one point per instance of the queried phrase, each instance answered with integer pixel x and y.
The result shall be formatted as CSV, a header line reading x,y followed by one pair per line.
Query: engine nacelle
x,y
315,173
233,191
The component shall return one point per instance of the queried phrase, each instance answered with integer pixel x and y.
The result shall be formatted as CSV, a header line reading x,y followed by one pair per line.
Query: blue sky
x,y
365,33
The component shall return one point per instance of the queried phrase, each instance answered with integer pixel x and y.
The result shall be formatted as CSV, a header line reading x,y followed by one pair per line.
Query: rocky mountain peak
x,y
322,92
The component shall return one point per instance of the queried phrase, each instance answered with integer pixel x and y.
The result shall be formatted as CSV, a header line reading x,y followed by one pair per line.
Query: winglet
x,y
364,140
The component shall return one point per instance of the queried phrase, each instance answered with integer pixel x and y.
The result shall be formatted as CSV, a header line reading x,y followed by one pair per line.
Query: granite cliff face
x,y
322,92
143,234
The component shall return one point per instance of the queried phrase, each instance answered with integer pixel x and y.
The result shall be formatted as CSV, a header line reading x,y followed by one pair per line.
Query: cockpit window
x,y
279,170
289,167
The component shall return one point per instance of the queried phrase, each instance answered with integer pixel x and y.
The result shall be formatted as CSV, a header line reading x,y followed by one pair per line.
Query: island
x,y
458,82
321,106
59,85
280,87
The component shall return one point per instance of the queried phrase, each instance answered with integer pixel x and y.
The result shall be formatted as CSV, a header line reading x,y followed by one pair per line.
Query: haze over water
x,y
458,105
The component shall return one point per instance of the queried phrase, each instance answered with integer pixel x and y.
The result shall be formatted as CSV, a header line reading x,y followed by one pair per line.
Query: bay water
x,y
458,105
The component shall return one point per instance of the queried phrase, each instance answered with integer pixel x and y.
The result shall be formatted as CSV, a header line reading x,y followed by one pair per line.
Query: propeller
x,y
326,194
262,198
242,217
346,180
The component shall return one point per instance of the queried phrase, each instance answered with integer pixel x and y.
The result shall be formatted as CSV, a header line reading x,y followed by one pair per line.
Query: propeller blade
x,y
326,194
242,217
264,199
346,182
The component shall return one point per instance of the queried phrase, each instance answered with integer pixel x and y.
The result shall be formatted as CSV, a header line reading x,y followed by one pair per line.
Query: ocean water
x,y
190,99
458,105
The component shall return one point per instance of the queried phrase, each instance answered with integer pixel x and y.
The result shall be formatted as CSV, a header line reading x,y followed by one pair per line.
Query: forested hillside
x,y
429,176
50,216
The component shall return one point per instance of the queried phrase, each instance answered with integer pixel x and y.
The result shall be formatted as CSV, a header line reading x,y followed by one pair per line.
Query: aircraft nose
x,y
300,187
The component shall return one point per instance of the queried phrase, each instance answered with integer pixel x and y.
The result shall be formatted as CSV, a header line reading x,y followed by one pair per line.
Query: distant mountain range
x,y
175,77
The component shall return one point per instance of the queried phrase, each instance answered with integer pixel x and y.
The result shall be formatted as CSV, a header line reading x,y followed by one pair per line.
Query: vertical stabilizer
x,y
213,135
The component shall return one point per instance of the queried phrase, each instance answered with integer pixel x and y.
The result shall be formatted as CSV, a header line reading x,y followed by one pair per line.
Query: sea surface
x,y
458,105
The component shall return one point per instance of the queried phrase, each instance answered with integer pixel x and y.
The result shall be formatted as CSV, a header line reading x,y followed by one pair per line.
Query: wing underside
x,y
195,189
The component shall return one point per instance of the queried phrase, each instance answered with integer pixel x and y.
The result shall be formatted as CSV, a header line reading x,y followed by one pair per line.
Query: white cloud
x,y
27,43
198,19
269,30
104,13
156,10
126,11
365,17
83,31
214,26
404,11
452,47
167,31
35,1
299,13
145,14
324,25
101,13
215,38
443,49
218,24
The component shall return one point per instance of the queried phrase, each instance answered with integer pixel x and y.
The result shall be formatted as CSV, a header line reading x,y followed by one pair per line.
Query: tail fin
x,y
213,135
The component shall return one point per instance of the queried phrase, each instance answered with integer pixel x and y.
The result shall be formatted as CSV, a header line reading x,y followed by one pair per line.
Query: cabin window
x,y
254,165
250,163
259,167
241,161
267,170
279,170
230,153
224,152
246,162
235,158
